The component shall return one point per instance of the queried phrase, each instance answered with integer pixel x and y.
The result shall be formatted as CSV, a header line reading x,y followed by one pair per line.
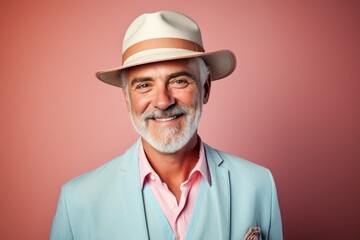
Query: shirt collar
x,y
146,169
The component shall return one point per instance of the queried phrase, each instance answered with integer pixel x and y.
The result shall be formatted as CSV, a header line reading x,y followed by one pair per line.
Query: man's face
x,y
165,101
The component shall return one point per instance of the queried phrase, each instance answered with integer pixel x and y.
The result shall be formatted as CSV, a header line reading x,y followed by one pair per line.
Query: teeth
x,y
165,119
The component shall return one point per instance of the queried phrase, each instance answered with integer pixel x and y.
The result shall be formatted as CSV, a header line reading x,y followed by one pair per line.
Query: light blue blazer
x,y
108,203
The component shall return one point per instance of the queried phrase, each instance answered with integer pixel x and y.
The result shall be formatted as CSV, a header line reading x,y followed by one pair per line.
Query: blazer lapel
x,y
220,184
132,191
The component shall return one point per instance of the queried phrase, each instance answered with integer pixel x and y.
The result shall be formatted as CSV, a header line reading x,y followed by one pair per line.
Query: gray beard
x,y
170,139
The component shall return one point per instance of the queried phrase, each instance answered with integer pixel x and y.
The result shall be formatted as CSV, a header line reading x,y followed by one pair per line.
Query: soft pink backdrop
x,y
292,104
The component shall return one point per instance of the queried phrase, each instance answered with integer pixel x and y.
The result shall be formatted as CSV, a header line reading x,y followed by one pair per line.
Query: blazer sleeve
x,y
61,229
275,229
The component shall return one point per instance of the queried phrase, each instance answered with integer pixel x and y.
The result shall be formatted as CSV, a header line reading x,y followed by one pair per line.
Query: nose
x,y
163,98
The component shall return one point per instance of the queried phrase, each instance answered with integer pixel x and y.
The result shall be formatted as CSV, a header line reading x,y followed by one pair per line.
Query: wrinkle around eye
x,y
142,87
180,83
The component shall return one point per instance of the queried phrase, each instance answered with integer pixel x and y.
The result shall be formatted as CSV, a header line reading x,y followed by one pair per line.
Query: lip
x,y
166,119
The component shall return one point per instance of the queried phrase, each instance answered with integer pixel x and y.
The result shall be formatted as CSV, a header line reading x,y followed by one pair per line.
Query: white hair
x,y
204,70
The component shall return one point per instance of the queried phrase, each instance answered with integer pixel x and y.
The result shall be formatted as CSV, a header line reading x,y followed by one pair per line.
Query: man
x,y
169,184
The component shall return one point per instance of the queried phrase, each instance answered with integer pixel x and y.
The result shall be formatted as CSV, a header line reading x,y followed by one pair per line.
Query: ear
x,y
207,87
126,97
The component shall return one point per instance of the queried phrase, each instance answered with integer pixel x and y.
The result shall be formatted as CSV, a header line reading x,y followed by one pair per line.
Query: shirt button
x,y
172,206
152,177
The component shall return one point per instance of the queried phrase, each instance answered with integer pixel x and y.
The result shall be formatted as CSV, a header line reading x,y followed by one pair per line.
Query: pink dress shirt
x,y
177,214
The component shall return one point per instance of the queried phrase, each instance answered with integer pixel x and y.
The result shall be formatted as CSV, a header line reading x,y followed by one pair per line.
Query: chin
x,y
170,142
168,145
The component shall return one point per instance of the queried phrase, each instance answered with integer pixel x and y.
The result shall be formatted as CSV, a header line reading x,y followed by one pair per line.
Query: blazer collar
x,y
220,186
129,167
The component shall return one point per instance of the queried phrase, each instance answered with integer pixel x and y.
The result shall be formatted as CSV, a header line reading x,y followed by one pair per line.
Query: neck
x,y
174,168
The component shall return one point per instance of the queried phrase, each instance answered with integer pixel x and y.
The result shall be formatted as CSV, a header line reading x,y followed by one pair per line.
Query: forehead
x,y
162,68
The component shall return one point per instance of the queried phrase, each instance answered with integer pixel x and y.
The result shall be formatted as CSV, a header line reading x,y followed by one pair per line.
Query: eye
x,y
180,83
143,87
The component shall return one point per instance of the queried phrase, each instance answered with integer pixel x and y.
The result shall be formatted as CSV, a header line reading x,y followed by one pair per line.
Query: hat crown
x,y
163,24
166,36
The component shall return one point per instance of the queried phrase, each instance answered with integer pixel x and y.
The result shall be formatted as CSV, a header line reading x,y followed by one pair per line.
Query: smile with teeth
x,y
166,119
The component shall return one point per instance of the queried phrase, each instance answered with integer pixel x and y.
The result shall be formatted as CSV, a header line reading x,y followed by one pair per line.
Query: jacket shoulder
x,y
102,172
239,168
103,177
230,160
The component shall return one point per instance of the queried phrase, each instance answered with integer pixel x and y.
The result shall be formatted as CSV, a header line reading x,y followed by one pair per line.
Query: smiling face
x,y
165,101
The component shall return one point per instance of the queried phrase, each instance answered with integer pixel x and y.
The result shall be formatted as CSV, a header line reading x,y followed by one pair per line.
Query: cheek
x,y
139,104
188,98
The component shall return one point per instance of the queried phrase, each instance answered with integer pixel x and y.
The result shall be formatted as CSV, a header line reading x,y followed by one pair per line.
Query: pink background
x,y
292,104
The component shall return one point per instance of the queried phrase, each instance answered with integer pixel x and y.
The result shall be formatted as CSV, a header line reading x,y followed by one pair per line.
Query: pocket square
x,y
253,234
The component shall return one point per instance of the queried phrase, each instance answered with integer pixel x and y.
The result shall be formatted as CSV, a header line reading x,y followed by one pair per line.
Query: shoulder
x,y
231,161
103,177
240,169
100,173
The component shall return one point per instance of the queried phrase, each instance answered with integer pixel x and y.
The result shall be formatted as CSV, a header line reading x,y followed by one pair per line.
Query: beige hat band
x,y
161,43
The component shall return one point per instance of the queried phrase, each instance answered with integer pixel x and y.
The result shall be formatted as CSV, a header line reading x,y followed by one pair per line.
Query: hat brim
x,y
221,63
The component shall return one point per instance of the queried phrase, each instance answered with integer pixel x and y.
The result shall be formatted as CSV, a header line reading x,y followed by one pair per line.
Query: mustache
x,y
174,110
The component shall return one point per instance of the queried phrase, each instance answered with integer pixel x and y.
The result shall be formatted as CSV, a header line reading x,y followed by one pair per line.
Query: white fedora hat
x,y
164,36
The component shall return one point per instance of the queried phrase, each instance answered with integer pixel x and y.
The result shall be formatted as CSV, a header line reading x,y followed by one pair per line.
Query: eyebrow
x,y
173,75
181,73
